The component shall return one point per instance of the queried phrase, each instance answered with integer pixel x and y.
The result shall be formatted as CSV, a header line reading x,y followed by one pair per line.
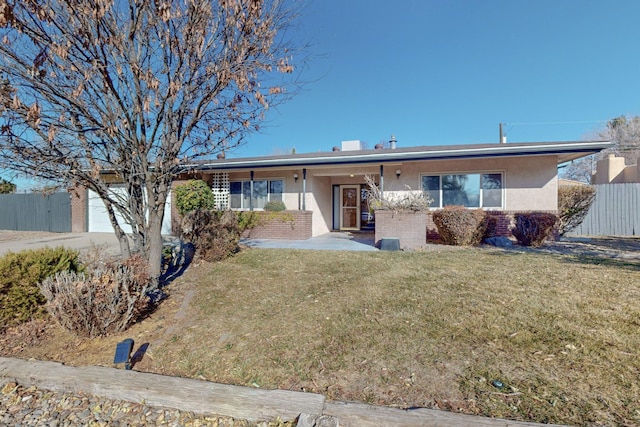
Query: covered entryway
x,y
99,220
351,208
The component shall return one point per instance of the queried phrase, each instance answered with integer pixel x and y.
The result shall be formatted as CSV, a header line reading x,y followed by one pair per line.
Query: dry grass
x,y
430,329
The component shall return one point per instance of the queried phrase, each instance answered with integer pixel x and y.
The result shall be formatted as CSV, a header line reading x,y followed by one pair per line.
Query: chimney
x,y
354,145
392,142
503,137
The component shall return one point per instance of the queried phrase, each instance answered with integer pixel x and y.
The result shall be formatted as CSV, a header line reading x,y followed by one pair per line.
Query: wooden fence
x,y
615,212
36,212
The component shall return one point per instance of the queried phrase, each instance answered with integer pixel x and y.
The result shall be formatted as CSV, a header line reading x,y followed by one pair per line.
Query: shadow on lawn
x,y
573,255
605,261
177,256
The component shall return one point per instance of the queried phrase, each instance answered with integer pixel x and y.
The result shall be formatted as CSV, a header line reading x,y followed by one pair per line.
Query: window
x,y
470,190
263,191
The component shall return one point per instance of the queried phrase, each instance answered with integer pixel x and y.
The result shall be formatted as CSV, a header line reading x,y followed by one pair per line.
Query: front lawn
x,y
439,329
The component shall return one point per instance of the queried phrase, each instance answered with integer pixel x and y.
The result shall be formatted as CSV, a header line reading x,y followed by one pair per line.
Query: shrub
x,y
532,229
247,220
215,234
492,227
274,206
574,202
460,226
105,300
193,195
20,274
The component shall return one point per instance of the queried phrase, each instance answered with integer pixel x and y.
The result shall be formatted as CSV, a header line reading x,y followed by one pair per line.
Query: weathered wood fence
x,y
36,212
615,212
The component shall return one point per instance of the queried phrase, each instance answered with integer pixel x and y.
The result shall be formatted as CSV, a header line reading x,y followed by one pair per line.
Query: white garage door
x,y
99,220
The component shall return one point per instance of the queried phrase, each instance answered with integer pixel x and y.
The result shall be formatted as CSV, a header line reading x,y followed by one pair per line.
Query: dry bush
x,y
104,300
574,202
408,200
460,226
215,234
492,227
532,229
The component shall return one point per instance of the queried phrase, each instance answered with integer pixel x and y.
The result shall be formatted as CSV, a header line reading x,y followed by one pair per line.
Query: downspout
x,y
381,180
304,189
251,195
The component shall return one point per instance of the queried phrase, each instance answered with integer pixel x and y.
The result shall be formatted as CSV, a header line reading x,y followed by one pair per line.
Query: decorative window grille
x,y
220,189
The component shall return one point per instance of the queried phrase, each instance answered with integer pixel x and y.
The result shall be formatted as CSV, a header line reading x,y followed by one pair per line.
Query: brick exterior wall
x,y
409,227
505,222
414,229
286,225
78,209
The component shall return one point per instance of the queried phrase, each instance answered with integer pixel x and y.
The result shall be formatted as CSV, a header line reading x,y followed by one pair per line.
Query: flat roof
x,y
566,151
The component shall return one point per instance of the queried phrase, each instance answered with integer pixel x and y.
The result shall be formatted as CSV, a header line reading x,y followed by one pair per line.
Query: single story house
x,y
328,192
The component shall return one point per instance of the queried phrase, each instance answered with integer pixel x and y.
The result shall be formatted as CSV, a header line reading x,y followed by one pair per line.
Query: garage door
x,y
99,220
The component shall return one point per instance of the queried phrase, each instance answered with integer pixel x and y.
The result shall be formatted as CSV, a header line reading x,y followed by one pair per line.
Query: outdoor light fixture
x,y
123,353
295,176
398,172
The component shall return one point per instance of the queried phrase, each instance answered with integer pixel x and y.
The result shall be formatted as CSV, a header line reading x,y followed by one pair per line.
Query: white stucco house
x,y
329,191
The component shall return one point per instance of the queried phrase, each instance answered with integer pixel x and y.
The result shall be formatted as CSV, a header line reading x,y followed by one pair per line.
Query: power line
x,y
557,123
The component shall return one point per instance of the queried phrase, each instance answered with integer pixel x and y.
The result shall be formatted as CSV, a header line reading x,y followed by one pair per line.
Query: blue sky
x,y
436,72
439,72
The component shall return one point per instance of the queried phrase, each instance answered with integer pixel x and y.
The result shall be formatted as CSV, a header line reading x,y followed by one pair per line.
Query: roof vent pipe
x,y
392,142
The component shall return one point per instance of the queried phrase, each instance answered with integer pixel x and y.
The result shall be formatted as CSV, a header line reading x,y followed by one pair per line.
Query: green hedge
x,y
20,275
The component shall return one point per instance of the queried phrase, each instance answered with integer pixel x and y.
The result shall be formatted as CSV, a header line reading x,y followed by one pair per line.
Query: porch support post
x,y
251,195
381,180
304,189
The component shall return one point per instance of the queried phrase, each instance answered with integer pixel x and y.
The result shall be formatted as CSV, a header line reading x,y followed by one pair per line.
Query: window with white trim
x,y
479,190
263,191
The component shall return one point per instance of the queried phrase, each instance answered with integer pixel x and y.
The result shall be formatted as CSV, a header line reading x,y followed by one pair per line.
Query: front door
x,y
349,207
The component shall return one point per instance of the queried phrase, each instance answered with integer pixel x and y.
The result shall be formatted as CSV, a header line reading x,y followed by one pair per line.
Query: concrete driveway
x,y
16,241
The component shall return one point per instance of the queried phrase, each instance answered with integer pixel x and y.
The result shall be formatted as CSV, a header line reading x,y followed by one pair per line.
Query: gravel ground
x,y
20,406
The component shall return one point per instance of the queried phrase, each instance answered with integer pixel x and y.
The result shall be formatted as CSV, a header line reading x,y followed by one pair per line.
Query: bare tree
x,y
624,133
90,89
580,170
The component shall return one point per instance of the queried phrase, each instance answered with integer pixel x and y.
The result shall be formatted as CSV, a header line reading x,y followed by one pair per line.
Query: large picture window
x,y
263,191
471,190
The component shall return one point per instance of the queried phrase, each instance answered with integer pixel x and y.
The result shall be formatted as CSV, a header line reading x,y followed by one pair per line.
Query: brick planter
x,y
286,225
408,226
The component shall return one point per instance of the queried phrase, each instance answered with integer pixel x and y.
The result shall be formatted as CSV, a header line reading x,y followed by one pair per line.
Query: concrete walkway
x,y
334,241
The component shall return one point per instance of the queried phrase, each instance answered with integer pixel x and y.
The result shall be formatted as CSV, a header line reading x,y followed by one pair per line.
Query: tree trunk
x,y
154,243
123,240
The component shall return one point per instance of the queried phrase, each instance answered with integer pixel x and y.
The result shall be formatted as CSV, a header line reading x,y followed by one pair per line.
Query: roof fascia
x,y
390,156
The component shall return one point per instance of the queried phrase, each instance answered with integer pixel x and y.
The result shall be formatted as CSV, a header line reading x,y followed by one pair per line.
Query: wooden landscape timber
x,y
204,397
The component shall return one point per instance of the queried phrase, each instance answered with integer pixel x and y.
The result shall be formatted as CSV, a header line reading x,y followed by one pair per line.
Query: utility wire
x,y
557,123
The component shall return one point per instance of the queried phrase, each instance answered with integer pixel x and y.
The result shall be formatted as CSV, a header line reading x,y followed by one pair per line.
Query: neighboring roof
x,y
566,151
